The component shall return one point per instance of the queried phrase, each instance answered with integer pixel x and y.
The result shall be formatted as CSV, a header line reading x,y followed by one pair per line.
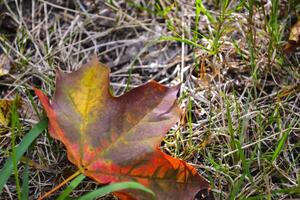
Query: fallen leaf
x,y
294,39
5,110
5,107
5,65
205,78
114,139
5,113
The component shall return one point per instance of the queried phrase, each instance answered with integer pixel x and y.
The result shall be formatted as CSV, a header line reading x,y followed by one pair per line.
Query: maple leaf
x,y
113,139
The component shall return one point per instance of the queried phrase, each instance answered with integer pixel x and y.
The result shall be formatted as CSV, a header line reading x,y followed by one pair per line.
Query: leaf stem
x,y
60,185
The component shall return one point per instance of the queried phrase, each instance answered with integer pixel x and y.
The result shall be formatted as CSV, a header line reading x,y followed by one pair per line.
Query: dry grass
x,y
239,93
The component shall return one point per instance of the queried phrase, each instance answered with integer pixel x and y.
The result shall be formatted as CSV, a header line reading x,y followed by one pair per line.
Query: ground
x,y
239,89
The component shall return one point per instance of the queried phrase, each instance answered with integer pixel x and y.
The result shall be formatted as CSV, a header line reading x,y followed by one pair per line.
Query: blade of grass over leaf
x,y
115,187
6,171
71,187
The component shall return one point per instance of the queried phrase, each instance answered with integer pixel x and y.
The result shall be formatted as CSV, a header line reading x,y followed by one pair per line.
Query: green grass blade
x,y
15,127
231,131
197,17
33,104
236,187
6,171
290,191
25,183
71,187
205,12
113,188
281,144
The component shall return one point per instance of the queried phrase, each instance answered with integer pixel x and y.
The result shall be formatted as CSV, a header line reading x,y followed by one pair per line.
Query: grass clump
x,y
239,91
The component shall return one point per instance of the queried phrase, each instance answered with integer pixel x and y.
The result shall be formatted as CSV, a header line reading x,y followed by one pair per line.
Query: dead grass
x,y
239,93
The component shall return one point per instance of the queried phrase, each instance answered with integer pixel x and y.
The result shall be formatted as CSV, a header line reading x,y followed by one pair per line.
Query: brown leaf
x,y
113,139
294,39
5,109
5,65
